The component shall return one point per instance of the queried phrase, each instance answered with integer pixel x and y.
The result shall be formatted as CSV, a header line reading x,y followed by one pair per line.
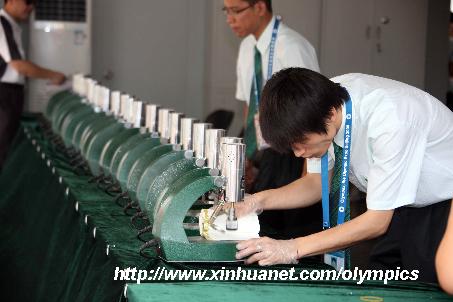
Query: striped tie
x,y
250,134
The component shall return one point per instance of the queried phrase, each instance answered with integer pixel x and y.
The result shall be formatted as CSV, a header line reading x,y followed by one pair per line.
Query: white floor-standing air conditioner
x,y
60,39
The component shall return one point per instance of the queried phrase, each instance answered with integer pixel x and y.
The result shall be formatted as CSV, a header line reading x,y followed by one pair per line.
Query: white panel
x,y
346,36
304,16
153,50
61,46
401,54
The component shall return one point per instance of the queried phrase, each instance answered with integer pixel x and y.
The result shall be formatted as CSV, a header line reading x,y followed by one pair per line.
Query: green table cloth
x,y
48,252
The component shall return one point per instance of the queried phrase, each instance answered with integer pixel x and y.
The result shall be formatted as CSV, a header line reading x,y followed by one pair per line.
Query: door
x,y
400,46
346,42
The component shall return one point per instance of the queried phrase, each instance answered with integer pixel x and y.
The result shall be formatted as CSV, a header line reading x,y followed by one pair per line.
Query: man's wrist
x,y
260,200
300,246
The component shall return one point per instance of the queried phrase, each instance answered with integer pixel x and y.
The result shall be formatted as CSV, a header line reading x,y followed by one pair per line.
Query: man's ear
x,y
333,114
261,7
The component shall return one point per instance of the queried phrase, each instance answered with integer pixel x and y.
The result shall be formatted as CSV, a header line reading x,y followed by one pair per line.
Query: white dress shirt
x,y
402,143
291,50
10,75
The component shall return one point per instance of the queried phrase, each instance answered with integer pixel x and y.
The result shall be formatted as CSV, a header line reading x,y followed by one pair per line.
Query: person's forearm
x,y
370,224
32,70
301,193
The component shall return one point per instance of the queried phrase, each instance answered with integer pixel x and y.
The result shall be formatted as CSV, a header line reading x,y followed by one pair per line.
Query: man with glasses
x,y
14,68
268,46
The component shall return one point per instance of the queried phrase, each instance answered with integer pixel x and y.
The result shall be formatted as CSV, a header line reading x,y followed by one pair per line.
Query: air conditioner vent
x,y
61,10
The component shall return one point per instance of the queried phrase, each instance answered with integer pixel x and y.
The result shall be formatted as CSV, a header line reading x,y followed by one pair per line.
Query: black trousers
x,y
412,240
11,106
277,170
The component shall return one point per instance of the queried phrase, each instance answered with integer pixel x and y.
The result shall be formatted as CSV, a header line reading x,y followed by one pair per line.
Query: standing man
x,y
391,140
13,70
268,46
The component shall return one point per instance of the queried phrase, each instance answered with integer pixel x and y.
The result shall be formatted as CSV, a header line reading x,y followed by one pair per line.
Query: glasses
x,y
234,11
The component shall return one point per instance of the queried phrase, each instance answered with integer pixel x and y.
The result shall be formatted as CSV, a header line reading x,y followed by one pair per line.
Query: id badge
x,y
260,142
335,259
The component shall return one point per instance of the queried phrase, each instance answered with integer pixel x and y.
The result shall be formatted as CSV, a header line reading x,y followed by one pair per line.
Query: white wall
x,y
154,49
182,54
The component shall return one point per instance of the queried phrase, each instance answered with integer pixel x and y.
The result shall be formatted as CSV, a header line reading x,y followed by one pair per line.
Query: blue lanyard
x,y
344,184
270,64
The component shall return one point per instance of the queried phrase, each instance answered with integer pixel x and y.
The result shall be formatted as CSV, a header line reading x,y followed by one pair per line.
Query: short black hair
x,y
296,102
267,2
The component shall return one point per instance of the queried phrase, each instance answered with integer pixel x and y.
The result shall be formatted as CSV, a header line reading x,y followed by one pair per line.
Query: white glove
x,y
267,251
251,204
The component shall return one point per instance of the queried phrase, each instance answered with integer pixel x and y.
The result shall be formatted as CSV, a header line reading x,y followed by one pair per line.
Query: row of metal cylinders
x,y
223,155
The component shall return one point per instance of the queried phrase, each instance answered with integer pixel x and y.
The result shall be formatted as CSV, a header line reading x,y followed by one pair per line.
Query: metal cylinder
x,y
175,127
130,111
212,147
228,140
137,113
231,140
105,99
97,89
199,138
115,102
187,132
164,123
233,168
91,87
124,107
152,111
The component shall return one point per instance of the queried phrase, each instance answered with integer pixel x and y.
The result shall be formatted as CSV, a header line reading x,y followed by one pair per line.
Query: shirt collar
x,y
339,138
265,39
10,19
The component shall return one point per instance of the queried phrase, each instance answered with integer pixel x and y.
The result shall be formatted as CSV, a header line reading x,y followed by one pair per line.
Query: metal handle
x,y
385,20
108,75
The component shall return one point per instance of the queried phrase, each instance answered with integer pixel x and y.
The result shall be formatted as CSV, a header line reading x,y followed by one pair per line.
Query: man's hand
x,y
251,204
57,78
267,251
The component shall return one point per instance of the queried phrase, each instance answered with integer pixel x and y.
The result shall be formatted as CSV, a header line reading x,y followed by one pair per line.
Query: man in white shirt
x,y
400,154
268,46
14,68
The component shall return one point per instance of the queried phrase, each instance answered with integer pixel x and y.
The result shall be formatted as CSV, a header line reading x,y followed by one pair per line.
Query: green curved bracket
x,y
97,143
131,156
61,110
94,128
165,180
80,129
112,145
152,172
70,123
54,100
168,225
140,166
123,148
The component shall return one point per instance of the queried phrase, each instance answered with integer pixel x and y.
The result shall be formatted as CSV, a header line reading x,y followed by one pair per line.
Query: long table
x,y
62,238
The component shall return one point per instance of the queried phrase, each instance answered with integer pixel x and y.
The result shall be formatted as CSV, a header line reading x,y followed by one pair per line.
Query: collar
x,y
264,40
339,138
10,19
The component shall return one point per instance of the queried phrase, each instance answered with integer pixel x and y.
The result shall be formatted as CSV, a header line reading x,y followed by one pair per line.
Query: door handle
x,y
385,20
108,75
